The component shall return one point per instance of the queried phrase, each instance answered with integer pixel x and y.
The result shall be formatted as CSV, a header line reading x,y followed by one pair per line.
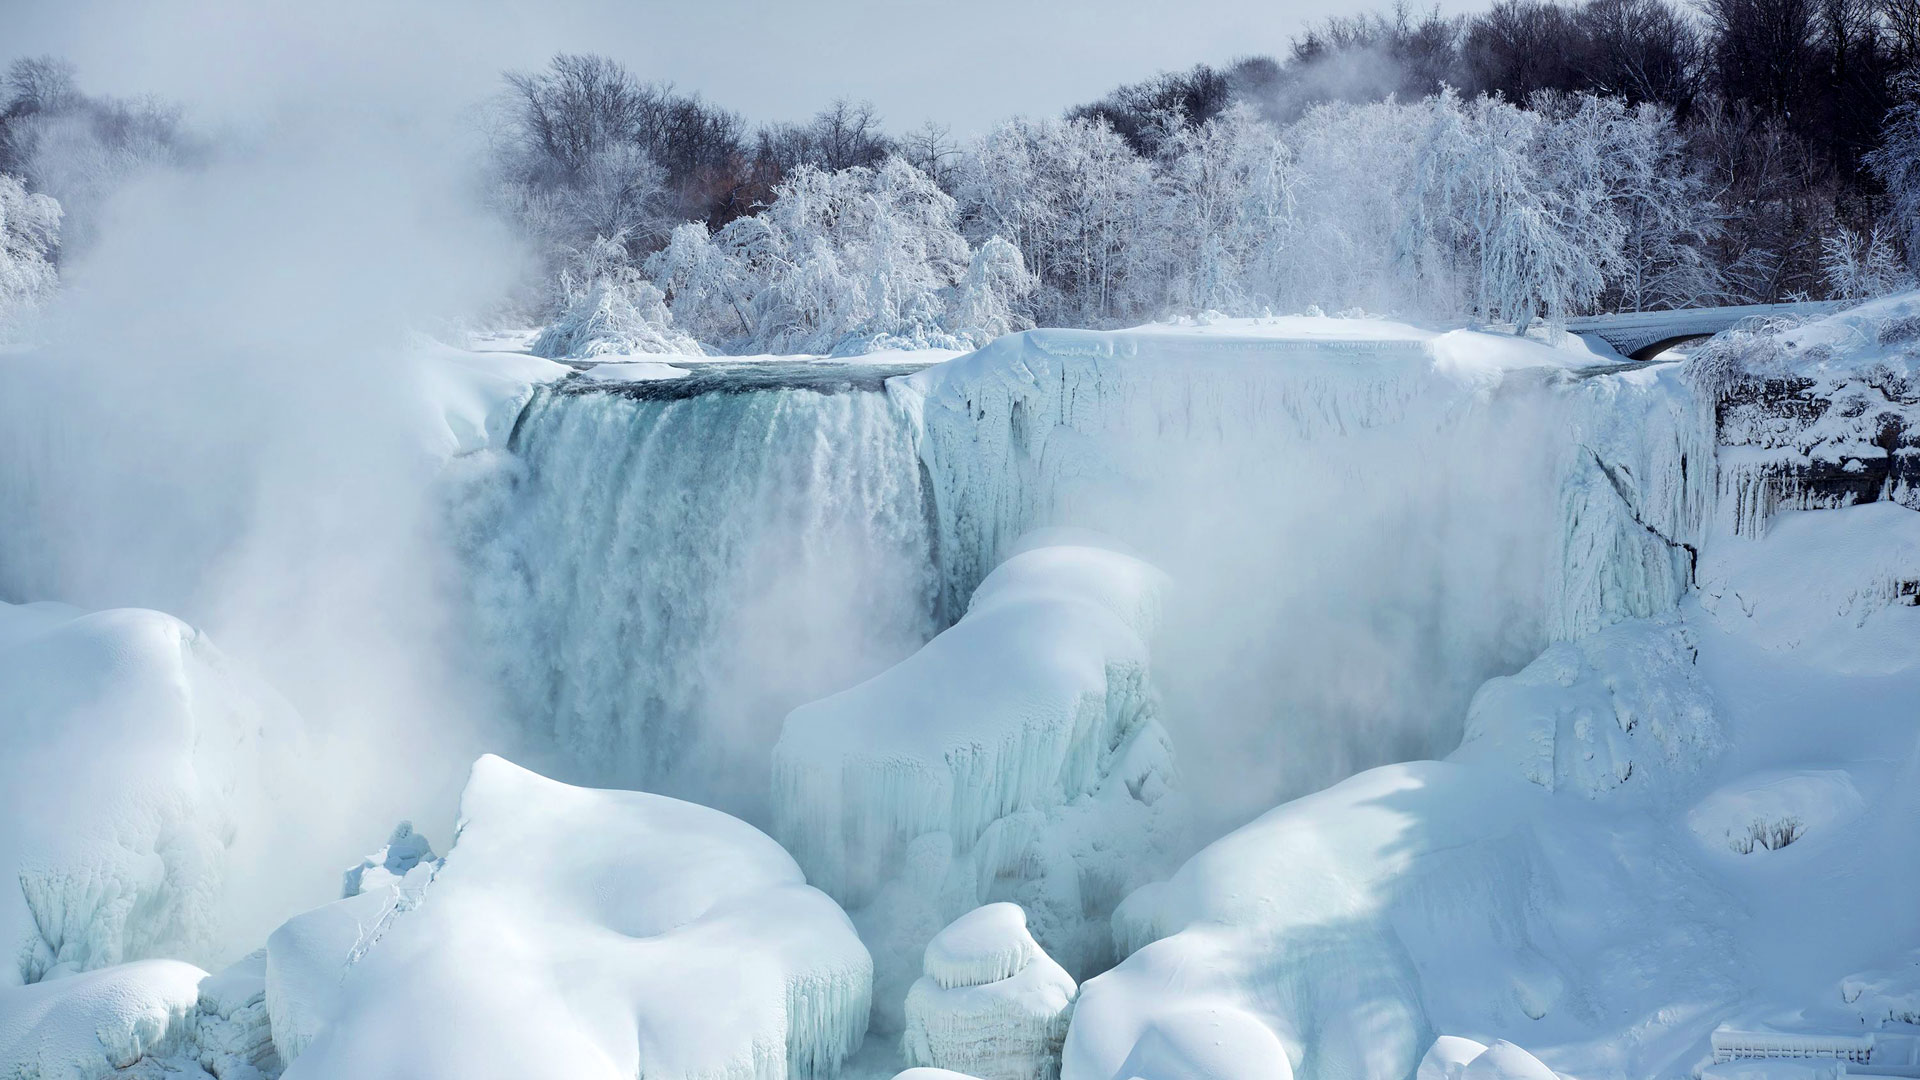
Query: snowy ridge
x,y
741,552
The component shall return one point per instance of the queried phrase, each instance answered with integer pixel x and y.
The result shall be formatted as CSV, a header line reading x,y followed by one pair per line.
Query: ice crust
x,y
579,933
991,1004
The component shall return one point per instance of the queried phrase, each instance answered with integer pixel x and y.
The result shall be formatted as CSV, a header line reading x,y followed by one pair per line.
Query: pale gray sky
x,y
963,64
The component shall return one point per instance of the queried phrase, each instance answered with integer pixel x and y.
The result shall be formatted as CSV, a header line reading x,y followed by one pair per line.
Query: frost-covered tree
x,y
990,301
1072,196
29,234
1861,267
606,306
1897,165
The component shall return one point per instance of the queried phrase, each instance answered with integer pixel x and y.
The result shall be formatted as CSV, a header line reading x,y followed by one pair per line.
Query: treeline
x,y
1531,161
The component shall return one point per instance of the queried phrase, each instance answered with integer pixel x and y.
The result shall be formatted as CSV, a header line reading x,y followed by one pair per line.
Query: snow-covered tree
x,y
1861,267
29,233
1897,165
607,306
996,289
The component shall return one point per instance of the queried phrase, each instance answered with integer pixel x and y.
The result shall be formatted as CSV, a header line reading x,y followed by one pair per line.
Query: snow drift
x,y
579,933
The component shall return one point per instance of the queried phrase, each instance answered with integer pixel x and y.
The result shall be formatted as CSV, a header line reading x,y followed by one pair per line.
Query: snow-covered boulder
x,y
579,933
130,752
1016,756
992,1004
1623,706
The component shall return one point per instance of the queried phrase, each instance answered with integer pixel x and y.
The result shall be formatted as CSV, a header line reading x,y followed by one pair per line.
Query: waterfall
x,y
660,572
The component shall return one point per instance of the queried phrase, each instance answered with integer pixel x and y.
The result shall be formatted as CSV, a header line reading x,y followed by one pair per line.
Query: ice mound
x,y
579,933
1770,810
1016,756
1625,705
130,749
991,1004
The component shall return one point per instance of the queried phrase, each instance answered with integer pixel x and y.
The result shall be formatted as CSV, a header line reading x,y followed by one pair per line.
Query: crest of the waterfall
x,y
659,578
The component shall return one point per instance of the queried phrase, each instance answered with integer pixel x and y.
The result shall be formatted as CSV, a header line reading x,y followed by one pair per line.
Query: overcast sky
x,y
966,64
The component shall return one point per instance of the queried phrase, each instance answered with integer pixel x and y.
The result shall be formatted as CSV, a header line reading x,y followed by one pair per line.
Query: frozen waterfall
x,y
660,572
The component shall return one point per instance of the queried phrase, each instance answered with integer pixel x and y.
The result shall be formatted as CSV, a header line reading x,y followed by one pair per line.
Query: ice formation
x,y
129,764
740,551
404,850
1017,755
581,933
991,1004
1622,705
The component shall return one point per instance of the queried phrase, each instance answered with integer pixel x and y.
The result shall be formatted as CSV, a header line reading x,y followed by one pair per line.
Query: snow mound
x,y
1838,588
580,933
1596,714
1447,1057
1768,811
987,944
1505,1061
1016,756
90,1024
991,1004
130,751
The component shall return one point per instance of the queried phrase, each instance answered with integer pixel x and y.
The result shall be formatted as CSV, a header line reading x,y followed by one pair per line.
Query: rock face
x,y
991,1004
1817,416
579,933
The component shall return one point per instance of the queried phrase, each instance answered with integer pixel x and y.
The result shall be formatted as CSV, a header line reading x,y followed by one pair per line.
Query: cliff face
x,y
1818,416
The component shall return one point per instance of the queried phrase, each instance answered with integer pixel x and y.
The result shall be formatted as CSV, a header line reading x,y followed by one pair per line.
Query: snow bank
x,y
1017,755
130,755
1625,705
580,933
1447,1057
991,1004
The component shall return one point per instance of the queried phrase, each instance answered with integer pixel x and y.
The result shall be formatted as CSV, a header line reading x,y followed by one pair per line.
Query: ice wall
x,y
659,579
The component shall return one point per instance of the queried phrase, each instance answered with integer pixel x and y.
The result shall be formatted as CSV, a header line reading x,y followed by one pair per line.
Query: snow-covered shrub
x,y
29,232
614,316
